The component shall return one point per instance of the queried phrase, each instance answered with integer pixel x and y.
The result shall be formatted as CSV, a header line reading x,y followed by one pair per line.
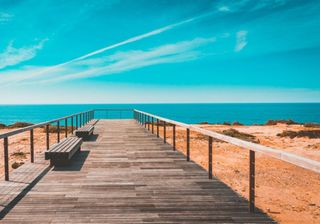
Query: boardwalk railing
x,y
75,121
147,119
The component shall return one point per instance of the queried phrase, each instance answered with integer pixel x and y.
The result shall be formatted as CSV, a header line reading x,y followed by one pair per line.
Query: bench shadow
x,y
24,192
92,138
76,164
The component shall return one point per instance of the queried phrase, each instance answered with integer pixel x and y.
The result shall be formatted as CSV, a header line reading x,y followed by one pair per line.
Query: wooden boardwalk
x,y
127,175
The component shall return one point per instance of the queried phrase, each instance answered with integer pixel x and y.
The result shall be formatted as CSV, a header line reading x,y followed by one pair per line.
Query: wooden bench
x,y
84,132
61,153
93,122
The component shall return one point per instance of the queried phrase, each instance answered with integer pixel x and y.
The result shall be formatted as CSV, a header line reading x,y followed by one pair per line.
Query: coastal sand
x,y
287,193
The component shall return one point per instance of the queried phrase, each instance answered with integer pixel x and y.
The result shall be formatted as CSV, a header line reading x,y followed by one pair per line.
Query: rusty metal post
x,y
31,146
66,127
164,132
157,127
6,158
152,120
210,158
188,144
251,180
58,131
47,137
174,137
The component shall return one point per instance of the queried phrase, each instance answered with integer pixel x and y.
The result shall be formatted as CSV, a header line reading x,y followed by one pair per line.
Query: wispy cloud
x,y
241,41
224,9
116,63
13,56
53,68
5,17
249,5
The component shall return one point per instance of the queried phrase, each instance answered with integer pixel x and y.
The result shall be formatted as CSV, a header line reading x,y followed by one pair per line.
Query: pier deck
x,y
127,175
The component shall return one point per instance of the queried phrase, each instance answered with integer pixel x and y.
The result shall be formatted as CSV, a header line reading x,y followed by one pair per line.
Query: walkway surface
x,y
127,175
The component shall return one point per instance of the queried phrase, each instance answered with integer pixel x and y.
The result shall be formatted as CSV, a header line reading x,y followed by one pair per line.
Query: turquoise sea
x,y
251,113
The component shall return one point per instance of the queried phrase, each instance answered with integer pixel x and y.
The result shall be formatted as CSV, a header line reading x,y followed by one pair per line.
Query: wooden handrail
x,y
294,159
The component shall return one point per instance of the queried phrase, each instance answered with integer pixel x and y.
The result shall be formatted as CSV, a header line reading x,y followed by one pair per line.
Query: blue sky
x,y
143,51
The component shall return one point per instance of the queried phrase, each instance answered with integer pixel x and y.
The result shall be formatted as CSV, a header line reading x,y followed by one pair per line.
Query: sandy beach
x,y
287,193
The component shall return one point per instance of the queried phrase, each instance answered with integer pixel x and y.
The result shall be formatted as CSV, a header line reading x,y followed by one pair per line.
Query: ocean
x,y
246,113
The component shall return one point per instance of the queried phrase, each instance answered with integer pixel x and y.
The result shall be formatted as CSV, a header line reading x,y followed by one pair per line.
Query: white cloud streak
x,y
54,68
241,41
5,17
130,60
13,56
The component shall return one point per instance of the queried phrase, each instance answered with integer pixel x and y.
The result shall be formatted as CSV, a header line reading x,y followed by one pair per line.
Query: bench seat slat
x,y
85,132
64,150
64,143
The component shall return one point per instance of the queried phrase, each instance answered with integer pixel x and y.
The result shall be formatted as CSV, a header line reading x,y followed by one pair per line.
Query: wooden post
x,y
210,158
6,159
66,127
164,132
152,120
188,144
251,180
148,123
58,130
157,127
174,137
47,136
31,146
80,124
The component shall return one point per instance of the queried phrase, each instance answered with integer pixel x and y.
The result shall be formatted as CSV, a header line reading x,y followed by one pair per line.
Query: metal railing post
x,y
6,159
210,158
251,180
31,146
188,144
157,127
152,126
174,137
58,131
145,121
66,127
72,125
164,132
77,118
47,137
